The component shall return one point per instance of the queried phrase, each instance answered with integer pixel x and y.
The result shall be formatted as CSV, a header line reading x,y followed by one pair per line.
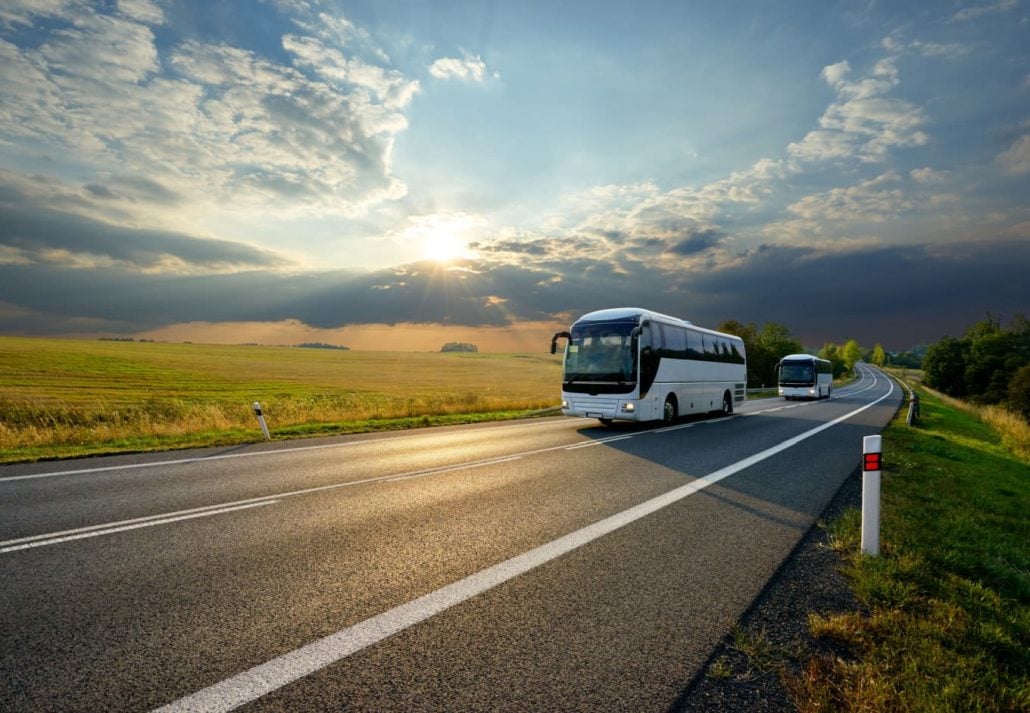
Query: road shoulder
x,y
745,670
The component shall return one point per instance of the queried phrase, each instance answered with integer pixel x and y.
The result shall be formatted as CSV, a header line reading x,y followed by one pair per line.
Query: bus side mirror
x,y
555,338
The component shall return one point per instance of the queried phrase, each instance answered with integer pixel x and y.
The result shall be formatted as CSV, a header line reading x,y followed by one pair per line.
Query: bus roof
x,y
802,357
638,314
622,314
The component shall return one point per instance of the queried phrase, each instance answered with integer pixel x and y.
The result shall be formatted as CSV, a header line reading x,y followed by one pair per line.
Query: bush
x,y
1019,391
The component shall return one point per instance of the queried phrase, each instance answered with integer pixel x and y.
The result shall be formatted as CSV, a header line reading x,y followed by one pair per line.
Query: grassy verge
x,y
946,620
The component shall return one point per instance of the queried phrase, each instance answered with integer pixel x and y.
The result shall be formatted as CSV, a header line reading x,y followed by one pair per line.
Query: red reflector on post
x,y
870,461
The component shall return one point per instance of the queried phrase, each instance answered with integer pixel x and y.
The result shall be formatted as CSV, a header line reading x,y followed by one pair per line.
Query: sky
x,y
396,175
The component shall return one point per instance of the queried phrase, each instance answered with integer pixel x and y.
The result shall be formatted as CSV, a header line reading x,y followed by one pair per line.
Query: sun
x,y
442,246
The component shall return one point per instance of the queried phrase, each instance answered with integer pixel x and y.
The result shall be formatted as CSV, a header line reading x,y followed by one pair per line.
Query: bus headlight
x,y
629,408
811,392
564,404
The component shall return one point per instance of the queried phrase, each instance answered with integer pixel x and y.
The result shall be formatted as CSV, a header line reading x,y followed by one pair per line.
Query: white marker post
x,y
261,420
871,462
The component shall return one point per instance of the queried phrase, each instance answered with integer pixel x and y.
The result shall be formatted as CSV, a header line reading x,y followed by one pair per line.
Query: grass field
x,y
946,625
63,397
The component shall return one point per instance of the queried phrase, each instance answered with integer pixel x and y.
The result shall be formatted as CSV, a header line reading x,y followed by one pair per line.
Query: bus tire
x,y
727,403
669,410
605,421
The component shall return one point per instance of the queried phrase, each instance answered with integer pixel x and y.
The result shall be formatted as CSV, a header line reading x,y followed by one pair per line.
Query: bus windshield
x,y
796,373
601,352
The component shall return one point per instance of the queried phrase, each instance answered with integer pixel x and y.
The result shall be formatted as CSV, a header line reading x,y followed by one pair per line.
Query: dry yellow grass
x,y
62,397
1013,428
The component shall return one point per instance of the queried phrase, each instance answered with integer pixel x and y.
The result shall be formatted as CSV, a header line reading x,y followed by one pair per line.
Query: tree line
x,y
767,344
989,365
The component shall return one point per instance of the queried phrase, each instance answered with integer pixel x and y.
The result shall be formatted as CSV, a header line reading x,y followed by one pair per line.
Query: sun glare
x,y
442,246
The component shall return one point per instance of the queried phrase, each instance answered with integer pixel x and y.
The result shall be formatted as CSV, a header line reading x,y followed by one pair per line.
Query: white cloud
x,y
223,126
863,123
470,68
101,48
941,50
387,86
977,11
834,74
928,175
1016,160
142,10
871,201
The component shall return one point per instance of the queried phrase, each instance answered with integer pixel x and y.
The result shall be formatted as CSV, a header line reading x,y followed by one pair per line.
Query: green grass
x,y
946,625
62,398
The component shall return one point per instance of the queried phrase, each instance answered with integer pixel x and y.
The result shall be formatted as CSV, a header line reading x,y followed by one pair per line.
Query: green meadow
x,y
61,398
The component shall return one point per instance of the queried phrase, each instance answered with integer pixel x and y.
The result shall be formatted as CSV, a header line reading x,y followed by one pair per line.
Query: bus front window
x,y
601,352
799,374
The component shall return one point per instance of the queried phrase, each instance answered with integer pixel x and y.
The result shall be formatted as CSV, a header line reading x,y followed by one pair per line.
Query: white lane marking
x,y
149,523
267,677
673,428
599,442
53,538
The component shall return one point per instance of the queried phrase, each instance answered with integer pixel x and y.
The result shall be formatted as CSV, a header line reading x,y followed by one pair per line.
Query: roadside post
x,y
871,463
261,420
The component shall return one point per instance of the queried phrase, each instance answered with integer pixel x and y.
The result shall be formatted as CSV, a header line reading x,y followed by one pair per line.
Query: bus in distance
x,y
803,376
634,364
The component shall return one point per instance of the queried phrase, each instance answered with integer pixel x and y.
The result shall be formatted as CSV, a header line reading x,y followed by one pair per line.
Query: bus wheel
x,y
605,421
727,403
669,412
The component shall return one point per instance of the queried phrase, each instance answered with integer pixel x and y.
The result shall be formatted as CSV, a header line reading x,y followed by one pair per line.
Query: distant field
x,y
74,397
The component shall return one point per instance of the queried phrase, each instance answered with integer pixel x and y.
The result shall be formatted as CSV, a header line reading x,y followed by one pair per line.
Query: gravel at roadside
x,y
743,672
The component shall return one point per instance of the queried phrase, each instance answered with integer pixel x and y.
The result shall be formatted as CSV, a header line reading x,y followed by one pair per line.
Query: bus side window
x,y
738,358
676,342
695,347
711,348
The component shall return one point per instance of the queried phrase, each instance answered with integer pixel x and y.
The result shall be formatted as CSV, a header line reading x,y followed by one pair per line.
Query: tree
x,y
757,359
851,353
764,347
879,355
945,366
831,353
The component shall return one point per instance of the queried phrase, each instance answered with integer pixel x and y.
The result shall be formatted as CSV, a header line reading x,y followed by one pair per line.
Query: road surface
x,y
550,564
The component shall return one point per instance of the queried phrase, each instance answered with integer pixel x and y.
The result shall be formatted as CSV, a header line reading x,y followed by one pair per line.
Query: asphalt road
x,y
544,565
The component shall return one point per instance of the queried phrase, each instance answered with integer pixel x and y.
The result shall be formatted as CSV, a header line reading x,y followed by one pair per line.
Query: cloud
x,y
387,86
928,175
938,50
34,234
1016,160
898,295
978,11
874,200
312,132
142,11
863,123
469,68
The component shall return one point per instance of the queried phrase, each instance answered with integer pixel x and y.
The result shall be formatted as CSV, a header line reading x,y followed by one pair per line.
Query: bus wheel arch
x,y
671,409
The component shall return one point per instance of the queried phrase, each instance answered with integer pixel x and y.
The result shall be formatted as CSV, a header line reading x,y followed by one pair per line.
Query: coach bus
x,y
803,376
637,365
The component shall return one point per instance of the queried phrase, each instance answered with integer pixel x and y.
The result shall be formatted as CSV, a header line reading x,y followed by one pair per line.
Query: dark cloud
x,y
37,232
900,295
698,242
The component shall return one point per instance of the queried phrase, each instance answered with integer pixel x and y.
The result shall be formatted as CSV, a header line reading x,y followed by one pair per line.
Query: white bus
x,y
636,365
803,376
